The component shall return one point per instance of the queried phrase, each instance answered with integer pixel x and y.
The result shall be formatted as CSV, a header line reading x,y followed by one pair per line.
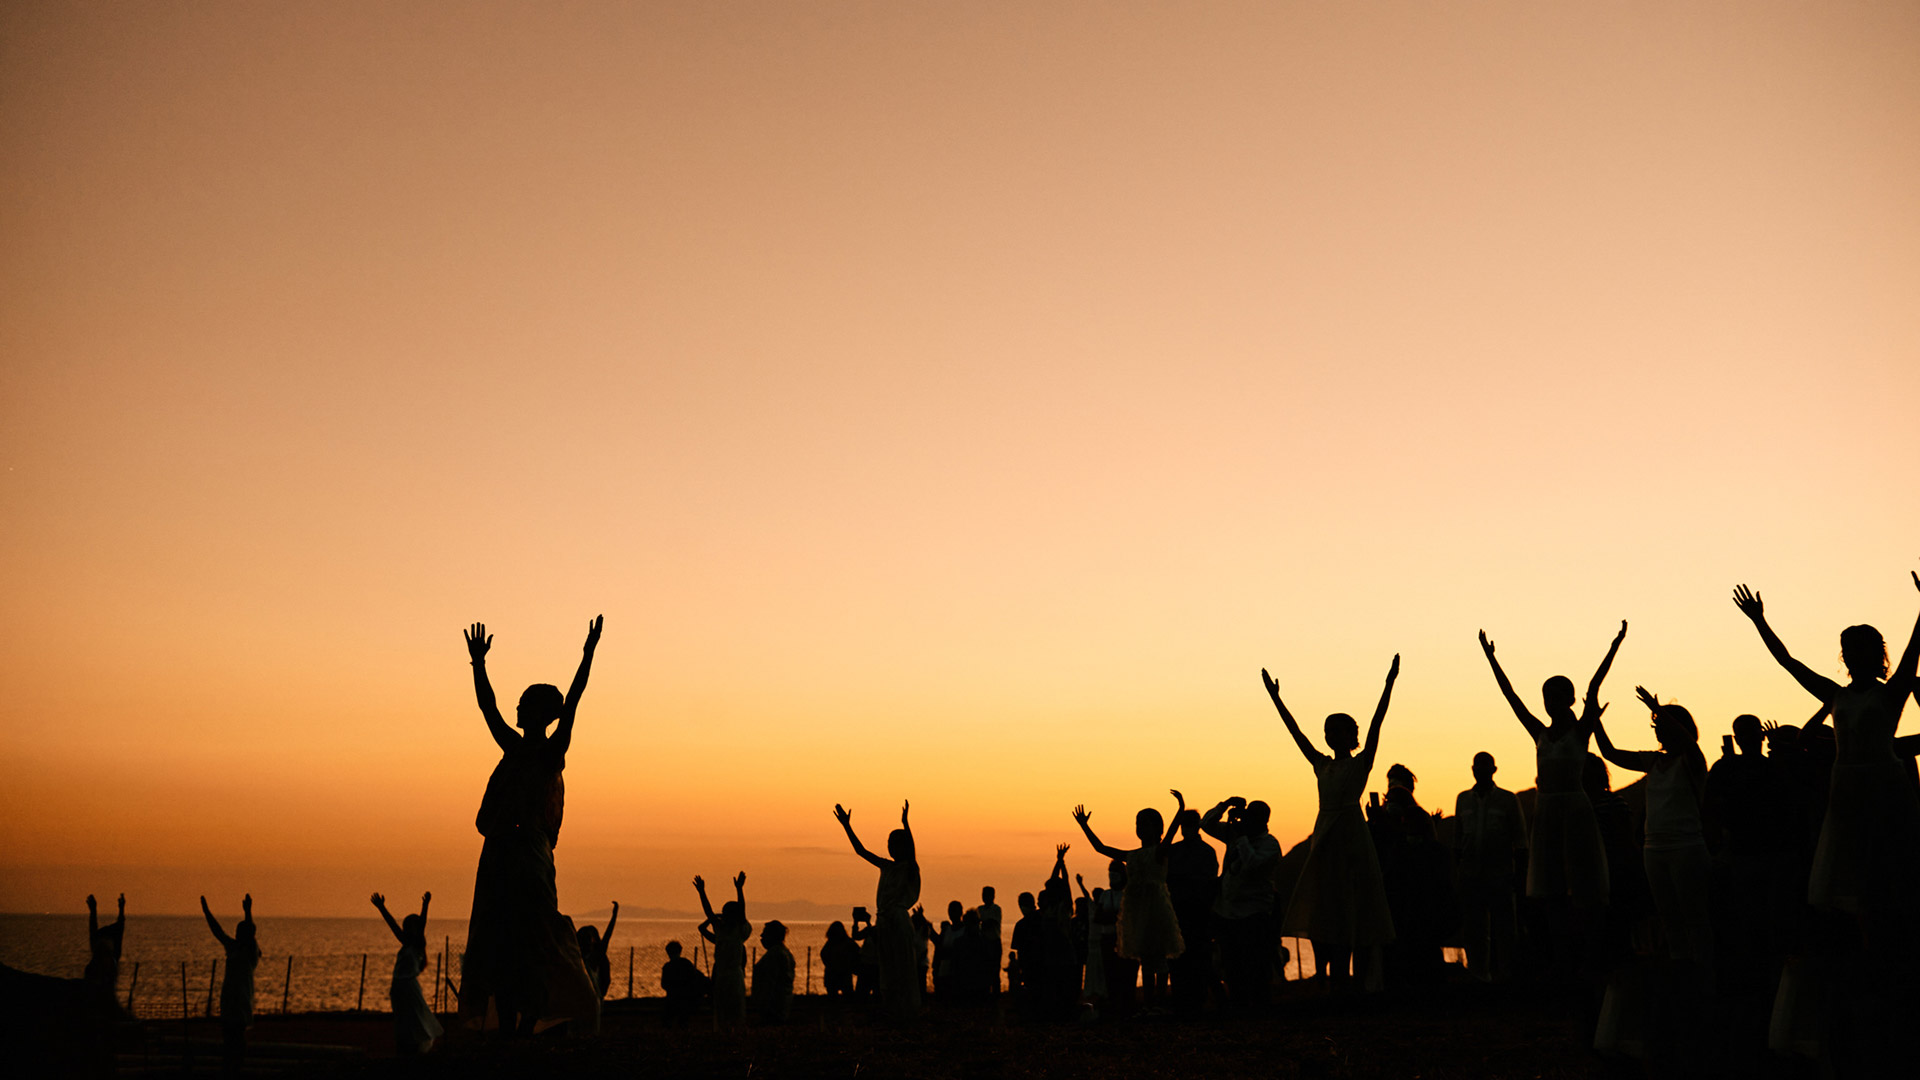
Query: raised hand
x,y
904,806
1273,688
379,901
1177,797
1060,850
1080,815
1647,698
1916,578
1485,643
1394,671
246,905
616,906
843,815
1621,636
478,642
91,905
740,880
426,898
123,903
593,631
700,884
1749,603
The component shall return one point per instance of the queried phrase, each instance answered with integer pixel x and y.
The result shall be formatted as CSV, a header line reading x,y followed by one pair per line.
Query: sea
x,y
170,963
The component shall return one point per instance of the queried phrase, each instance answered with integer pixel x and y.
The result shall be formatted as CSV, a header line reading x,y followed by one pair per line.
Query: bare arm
x,y
1081,816
700,886
93,917
1059,863
426,898
1902,680
1380,710
1527,720
1173,823
1754,608
1273,691
845,817
478,642
1606,662
608,936
740,891
1082,882
381,903
213,923
563,731
1211,824
1637,760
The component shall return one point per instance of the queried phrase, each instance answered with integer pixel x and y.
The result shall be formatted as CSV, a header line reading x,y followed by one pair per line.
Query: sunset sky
x,y
959,402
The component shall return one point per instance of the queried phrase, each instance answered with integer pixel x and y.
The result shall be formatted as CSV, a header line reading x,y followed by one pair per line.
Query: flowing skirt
x,y
1149,930
1340,898
1864,863
1568,857
522,954
414,1025
900,980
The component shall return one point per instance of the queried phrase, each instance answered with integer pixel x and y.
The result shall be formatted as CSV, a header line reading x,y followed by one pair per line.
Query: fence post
x,y
212,970
186,1042
360,1004
286,988
809,990
629,972
131,983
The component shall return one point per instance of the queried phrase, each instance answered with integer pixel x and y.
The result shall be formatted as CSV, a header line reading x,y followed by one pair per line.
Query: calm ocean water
x,y
327,956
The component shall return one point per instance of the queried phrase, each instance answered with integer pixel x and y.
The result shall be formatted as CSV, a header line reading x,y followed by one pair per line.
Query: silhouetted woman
x,y
236,983
893,931
103,950
522,955
728,932
1566,856
593,952
1339,901
1149,931
414,1025
1679,869
1863,863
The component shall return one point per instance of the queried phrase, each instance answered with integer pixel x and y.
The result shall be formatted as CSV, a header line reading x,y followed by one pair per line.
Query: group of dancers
x,y
1780,885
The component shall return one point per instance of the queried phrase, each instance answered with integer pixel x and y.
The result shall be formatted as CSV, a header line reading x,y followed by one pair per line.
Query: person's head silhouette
x,y
1673,725
773,934
955,912
1189,824
1117,874
673,950
589,939
1748,735
1149,826
1558,694
1594,776
1401,777
986,894
900,845
1342,731
1864,652
540,705
732,913
1483,768
1028,905
1783,740
1254,819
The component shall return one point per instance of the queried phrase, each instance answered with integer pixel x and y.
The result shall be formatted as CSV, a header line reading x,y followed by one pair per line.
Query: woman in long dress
x,y
1566,857
894,933
1679,869
523,960
414,1025
728,933
1863,864
236,983
1148,931
1339,901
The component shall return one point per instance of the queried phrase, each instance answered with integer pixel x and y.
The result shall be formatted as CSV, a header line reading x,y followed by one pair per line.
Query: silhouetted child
x,y
1339,901
236,983
682,983
773,975
901,975
990,917
839,962
728,932
1149,931
103,950
593,952
414,1025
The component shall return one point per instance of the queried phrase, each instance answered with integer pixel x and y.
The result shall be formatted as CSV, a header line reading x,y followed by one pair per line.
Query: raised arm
x,y
1902,680
1059,863
1637,760
426,898
740,891
1527,720
1590,711
213,924
1211,823
93,917
1082,882
1081,816
1300,740
478,642
381,903
700,886
608,936
845,817
563,731
1812,682
1380,710
1173,823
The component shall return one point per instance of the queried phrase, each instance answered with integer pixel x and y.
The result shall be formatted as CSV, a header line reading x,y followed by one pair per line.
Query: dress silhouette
x,y
1148,930
236,983
414,1025
523,961
1567,857
901,945
1340,899
728,932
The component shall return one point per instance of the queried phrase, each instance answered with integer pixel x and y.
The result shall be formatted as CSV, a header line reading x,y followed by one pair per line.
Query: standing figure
x,y
1193,881
236,983
1339,902
773,975
523,961
1567,858
902,946
839,961
1863,864
1249,894
1679,869
1487,834
728,933
990,918
593,952
103,950
683,984
414,1025
1149,930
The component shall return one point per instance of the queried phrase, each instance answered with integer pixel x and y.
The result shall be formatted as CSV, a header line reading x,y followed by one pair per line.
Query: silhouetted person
x,y
1193,883
901,974
839,963
1487,833
946,947
990,918
593,952
1565,856
728,932
1747,811
1057,972
522,955
1679,869
1249,894
1419,884
414,1025
773,975
683,984
1026,948
103,950
1149,931
236,982
1864,861
1340,901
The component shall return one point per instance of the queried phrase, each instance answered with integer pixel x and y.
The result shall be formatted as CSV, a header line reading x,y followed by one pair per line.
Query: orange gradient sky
x,y
961,402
